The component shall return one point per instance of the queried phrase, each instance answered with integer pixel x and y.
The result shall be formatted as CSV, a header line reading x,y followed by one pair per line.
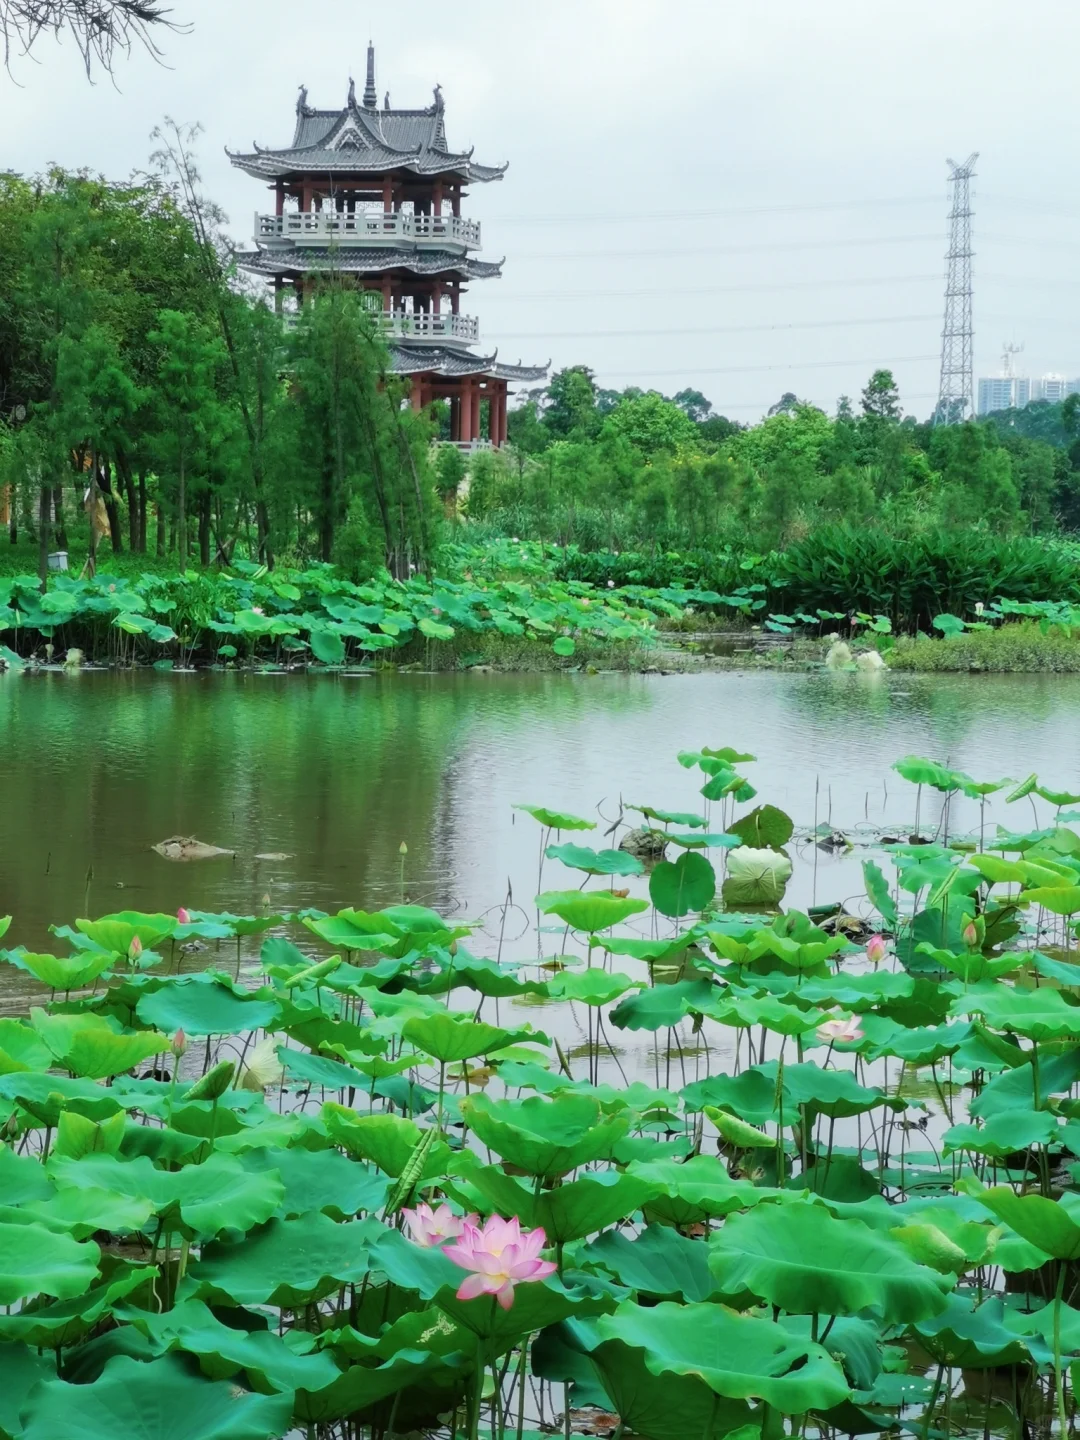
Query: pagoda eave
x,y
456,364
293,166
294,263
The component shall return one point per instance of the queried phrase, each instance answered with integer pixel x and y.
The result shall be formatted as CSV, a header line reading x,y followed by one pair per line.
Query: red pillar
x,y
417,396
475,411
280,199
466,407
455,417
305,197
386,299
498,413
387,195
437,198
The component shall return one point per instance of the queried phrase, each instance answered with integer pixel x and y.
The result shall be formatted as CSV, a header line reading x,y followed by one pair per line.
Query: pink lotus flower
x,y
970,935
876,949
257,610
428,1228
135,948
178,1044
842,1030
182,917
500,1256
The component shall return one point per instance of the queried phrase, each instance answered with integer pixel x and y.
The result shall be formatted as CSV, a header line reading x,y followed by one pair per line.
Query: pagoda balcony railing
x,y
418,326
366,227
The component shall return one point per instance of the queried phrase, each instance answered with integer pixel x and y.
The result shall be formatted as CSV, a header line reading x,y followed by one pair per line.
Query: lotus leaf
x,y
450,1040
286,1262
556,819
755,877
1042,1014
115,933
663,1005
203,1005
544,1137
739,1357
70,972
1047,1224
66,1321
690,1191
37,1261
687,884
589,910
592,987
387,1140
320,1180
659,1263
595,862
567,1212
765,828
160,1400
803,1259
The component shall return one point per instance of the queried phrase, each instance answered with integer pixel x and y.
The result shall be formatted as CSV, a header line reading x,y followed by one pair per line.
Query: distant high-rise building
x,y
1002,392
1054,388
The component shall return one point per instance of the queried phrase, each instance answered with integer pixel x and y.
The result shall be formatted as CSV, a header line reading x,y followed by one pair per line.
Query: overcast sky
x,y
745,198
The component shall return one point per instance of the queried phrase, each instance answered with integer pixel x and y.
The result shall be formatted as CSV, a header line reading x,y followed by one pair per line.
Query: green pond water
x,y
335,772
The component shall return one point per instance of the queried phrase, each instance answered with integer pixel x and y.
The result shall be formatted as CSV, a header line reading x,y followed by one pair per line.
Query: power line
x,y
713,329
666,291
615,217
874,360
677,252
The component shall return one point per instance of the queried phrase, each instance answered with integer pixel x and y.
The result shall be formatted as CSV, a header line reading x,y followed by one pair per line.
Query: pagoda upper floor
x,y
361,152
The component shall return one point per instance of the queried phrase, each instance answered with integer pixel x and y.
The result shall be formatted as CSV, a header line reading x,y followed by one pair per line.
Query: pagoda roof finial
x,y
371,98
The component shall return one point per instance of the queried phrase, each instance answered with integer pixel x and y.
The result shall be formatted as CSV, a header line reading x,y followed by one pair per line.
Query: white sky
x,y
759,185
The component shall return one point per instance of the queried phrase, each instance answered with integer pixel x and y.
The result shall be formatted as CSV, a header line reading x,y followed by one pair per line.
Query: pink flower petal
x,y
473,1286
505,1296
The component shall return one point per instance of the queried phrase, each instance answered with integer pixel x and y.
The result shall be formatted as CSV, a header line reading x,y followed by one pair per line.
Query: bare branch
x,y
101,28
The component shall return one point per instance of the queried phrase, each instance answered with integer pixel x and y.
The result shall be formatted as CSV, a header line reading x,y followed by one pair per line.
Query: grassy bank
x,y
1019,648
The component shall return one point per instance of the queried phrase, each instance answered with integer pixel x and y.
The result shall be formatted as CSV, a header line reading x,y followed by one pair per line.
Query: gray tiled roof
x,y
361,140
304,259
434,359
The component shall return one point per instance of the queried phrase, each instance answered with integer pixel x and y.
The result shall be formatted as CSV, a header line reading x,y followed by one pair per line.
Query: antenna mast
x,y
956,389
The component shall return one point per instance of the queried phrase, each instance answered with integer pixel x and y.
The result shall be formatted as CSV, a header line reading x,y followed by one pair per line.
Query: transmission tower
x,y
957,387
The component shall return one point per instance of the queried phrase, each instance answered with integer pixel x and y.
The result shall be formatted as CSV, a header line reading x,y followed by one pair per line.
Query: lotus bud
x,y
183,917
403,849
266,901
11,1127
970,935
135,948
178,1044
876,949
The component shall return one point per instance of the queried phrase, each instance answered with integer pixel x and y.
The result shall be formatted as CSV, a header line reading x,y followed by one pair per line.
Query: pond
x,y
329,775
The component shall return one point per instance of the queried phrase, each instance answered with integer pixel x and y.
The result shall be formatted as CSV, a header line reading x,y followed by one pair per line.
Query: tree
x,y
694,403
880,398
449,472
652,423
188,403
100,28
570,404
785,405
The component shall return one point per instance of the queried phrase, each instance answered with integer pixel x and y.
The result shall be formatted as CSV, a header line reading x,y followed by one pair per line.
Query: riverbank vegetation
x,y
712,1169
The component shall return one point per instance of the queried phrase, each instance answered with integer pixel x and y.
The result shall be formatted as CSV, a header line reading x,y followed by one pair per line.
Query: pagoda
x,y
376,195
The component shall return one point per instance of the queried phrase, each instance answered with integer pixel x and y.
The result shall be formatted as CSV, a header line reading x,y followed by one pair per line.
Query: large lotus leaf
x,y
156,1401
76,1136
971,1334
663,1005
752,1095
203,1005
658,1262
99,1054
537,1304
269,1363
45,1096
835,1093
37,1261
690,1191
67,1321
85,1211
1058,899
766,827
803,1259
287,1262
319,1070
585,1205
116,932
591,987
22,1048
689,883
219,1195
22,1178
556,819
386,1140
1042,1014
544,1137
1015,1089
360,1386
450,1040
657,1407
21,1369
928,772
589,910
68,972
595,862
1003,1134
755,877
746,1011
1052,1225
740,1357
321,1180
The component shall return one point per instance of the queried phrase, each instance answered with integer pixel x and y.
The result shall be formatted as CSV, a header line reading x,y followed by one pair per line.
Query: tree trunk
x,y
128,482
44,535
142,510
93,511
58,510
112,510
181,517
159,521
204,529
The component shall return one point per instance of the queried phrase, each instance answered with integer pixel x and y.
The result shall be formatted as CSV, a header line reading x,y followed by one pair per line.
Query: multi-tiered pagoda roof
x,y
377,195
